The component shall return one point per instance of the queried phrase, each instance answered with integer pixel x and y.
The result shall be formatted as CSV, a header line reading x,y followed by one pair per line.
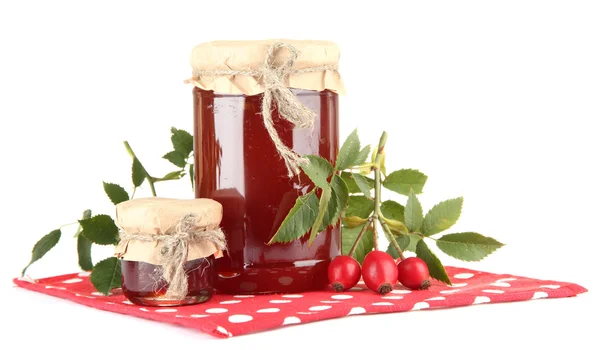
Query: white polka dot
x,y
319,308
53,287
230,302
165,310
143,309
481,300
179,316
393,297
330,301
98,294
240,318
89,297
223,331
506,279
449,291
110,303
84,274
539,295
305,313
280,301
285,280
382,303
458,285
357,289
357,311
198,316
243,296
291,320
73,280
421,305
292,296
341,296
216,310
268,311
401,291
464,275
551,286
127,302
436,298
493,291
500,284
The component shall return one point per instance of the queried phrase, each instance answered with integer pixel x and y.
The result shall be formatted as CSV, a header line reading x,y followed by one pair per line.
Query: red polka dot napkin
x,y
230,315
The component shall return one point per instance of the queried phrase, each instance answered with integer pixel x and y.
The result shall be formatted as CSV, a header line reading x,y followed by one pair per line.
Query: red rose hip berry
x,y
413,273
379,272
343,273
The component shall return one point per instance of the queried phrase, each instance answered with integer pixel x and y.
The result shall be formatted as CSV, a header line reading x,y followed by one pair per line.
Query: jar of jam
x,y
239,163
168,249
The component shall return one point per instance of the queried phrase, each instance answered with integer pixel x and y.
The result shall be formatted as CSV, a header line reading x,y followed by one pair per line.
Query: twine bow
x,y
289,107
174,252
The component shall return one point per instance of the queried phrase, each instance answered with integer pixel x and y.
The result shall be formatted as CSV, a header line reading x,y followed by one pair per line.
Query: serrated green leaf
x,y
323,206
436,269
413,213
392,210
351,183
174,175
468,246
359,206
138,173
116,193
318,169
42,247
100,229
176,158
406,243
340,192
348,152
361,158
365,245
106,275
442,216
401,181
182,141
298,220
363,184
192,178
84,253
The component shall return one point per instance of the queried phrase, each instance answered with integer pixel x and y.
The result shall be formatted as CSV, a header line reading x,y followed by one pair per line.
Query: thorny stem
x,y
146,175
359,237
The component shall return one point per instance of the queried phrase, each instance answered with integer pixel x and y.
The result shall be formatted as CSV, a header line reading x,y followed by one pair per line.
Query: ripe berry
x,y
343,272
379,272
413,273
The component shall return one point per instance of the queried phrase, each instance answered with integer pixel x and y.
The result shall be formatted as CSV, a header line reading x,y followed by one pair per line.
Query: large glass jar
x,y
237,164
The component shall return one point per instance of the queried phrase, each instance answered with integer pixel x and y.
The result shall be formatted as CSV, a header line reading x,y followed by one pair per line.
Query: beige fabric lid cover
x,y
160,216
250,56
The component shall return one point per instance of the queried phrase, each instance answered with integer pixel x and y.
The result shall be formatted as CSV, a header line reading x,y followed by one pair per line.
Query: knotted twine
x,y
289,107
174,253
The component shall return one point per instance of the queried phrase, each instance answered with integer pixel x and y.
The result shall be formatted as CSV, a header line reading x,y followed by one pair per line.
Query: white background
x,y
496,101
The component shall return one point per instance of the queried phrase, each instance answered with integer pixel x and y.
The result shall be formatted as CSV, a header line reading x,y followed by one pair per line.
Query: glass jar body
x,y
236,164
143,285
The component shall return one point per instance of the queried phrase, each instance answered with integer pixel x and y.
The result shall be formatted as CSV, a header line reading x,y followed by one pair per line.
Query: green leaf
x,y
406,243
363,184
192,178
351,183
413,212
359,206
323,207
349,152
340,192
365,245
138,173
84,252
100,229
468,246
176,158
436,269
442,216
106,275
392,210
116,193
174,175
361,158
401,181
42,247
298,220
182,141
318,169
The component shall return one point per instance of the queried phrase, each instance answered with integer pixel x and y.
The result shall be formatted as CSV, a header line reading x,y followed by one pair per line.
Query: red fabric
x,y
230,315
